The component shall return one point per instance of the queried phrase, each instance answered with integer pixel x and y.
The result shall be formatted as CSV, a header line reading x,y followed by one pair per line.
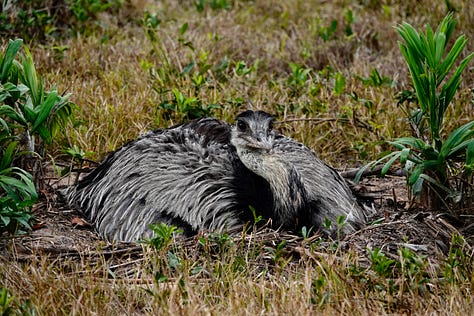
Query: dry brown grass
x,y
238,278
118,97
114,79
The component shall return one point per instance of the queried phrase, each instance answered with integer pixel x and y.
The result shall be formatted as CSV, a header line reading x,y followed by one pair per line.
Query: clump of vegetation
x,y
30,117
45,20
439,165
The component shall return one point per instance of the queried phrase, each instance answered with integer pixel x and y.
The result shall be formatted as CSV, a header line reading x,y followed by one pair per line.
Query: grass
x,y
329,70
119,76
240,277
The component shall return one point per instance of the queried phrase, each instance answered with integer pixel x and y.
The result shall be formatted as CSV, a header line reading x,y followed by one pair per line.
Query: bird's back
x,y
328,193
191,176
188,175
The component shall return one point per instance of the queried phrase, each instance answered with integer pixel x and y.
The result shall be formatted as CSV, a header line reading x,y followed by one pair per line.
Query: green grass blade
x,y
415,174
430,47
390,162
450,88
447,26
30,78
436,183
450,58
455,139
440,44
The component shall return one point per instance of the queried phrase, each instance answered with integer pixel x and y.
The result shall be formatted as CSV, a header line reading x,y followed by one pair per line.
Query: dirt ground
x,y
61,231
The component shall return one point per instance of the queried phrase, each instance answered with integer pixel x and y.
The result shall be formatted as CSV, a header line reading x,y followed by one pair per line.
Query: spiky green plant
x,y
429,156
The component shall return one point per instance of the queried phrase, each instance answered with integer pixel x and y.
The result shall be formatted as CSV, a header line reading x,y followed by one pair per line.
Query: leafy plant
x,y
380,264
26,103
298,78
430,158
6,302
326,33
375,79
213,4
42,20
306,232
163,235
339,84
189,107
18,194
26,111
349,19
458,263
241,69
409,271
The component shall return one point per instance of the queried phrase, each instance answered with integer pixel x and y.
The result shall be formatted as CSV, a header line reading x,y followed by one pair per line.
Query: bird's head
x,y
253,132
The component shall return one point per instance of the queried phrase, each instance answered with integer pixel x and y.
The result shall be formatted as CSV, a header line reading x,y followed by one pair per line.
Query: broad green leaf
x,y
470,156
5,220
415,174
430,153
29,111
7,155
12,50
31,80
449,89
45,133
31,190
13,182
45,110
417,187
6,129
18,189
9,112
456,138
389,163
24,222
436,183
404,154
440,44
412,142
433,164
361,171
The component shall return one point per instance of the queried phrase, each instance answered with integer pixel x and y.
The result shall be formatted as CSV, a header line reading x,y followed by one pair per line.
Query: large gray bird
x,y
209,175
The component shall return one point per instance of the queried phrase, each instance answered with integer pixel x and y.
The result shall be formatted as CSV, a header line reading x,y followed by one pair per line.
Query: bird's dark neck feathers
x,y
289,194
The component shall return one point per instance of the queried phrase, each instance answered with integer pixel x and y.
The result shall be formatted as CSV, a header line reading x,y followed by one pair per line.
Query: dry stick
x,y
314,119
395,200
374,227
59,253
350,174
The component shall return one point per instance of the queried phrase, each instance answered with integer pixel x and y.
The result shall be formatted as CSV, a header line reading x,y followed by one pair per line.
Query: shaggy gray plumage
x,y
205,174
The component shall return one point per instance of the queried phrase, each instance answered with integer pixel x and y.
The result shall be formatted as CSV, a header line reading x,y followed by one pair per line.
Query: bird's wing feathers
x,y
185,175
327,191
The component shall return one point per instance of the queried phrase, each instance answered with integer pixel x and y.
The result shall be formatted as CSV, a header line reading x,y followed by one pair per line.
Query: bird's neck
x,y
289,194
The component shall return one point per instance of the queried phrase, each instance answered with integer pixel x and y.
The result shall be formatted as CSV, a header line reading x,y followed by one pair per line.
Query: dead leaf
x,y
38,226
80,222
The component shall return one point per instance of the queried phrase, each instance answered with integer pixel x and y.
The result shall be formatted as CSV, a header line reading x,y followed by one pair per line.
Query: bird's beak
x,y
262,141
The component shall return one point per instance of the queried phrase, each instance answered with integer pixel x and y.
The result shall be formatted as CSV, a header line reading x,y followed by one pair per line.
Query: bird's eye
x,y
241,126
